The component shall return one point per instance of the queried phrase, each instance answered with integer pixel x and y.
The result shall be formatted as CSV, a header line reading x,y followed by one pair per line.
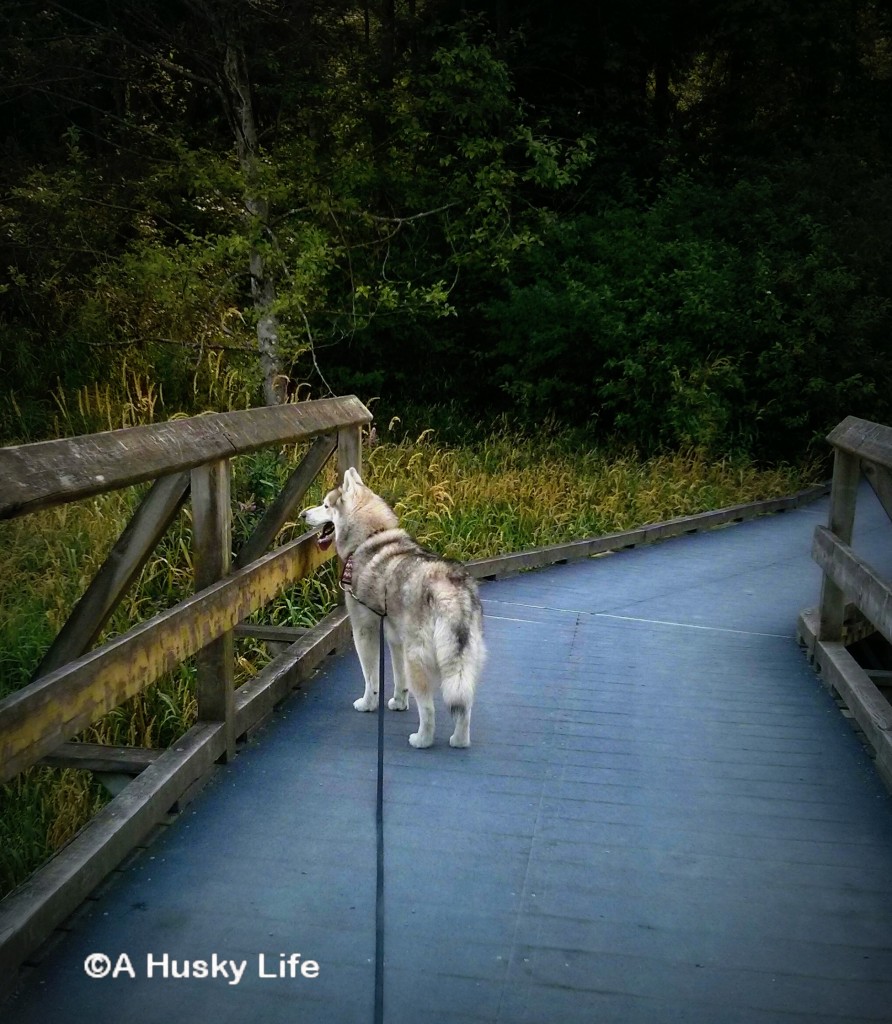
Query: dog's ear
x,y
352,479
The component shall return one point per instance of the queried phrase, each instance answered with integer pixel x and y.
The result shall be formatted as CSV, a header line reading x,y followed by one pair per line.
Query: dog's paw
x,y
420,742
366,704
398,703
456,741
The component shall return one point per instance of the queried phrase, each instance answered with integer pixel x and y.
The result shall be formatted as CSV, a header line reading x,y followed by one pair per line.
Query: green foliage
x,y
366,230
700,317
428,210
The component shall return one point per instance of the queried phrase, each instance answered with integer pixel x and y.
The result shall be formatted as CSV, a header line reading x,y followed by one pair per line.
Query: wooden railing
x,y
855,600
76,683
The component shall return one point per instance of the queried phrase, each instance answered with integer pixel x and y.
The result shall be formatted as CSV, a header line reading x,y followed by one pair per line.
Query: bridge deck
x,y
663,818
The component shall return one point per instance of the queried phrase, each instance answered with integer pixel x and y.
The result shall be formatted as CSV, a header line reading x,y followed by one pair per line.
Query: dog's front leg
x,y
364,625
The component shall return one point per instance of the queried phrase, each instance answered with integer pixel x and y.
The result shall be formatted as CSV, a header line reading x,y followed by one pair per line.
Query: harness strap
x,y
346,580
346,584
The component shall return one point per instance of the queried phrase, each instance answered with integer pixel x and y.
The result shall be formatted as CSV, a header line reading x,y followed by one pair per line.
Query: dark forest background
x,y
668,221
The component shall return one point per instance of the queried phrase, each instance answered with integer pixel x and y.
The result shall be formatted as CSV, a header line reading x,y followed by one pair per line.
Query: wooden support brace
x,y
286,503
212,542
119,571
843,492
880,479
349,450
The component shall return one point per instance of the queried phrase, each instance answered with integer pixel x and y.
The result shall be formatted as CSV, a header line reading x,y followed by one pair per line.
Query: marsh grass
x,y
504,492
512,491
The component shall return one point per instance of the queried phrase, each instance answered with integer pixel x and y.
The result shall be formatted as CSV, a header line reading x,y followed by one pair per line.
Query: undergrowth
x,y
505,491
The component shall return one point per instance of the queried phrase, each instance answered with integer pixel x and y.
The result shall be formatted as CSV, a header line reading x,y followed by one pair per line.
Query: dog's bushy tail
x,y
460,654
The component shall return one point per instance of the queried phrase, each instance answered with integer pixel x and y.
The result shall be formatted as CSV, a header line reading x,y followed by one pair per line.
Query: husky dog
x,y
432,615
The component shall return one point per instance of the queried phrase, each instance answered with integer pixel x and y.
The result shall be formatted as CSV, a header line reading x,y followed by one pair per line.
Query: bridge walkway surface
x,y
663,817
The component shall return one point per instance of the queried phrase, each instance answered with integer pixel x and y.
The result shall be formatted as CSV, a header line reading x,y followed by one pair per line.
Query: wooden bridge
x,y
664,816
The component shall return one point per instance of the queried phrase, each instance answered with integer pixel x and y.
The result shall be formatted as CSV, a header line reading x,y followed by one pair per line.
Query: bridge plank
x,y
256,699
46,473
871,710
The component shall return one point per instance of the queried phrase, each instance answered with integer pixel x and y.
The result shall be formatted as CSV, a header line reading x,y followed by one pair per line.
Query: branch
x,y
412,216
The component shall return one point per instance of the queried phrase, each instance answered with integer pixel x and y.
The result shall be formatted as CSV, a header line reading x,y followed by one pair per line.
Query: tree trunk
x,y
240,110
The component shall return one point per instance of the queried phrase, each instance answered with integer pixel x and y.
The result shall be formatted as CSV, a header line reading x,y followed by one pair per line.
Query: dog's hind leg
x,y
458,691
461,717
422,691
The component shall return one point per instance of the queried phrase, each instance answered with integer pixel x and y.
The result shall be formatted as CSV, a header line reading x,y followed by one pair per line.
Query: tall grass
x,y
504,491
512,491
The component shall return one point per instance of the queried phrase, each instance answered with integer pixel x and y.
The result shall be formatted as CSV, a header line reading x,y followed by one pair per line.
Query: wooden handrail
x,y
864,439
46,473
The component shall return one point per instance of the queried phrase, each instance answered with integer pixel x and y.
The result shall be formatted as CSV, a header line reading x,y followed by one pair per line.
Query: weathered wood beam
x,y
100,757
46,473
858,581
843,497
880,479
863,438
43,715
124,563
283,508
29,915
275,634
212,557
349,449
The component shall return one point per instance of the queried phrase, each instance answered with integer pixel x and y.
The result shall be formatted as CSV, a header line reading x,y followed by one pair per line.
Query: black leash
x,y
379,826
346,583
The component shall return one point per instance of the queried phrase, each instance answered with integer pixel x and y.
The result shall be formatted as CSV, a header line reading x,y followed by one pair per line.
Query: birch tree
x,y
223,19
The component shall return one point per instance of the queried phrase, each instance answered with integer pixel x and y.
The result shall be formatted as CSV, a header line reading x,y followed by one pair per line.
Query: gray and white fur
x,y
433,618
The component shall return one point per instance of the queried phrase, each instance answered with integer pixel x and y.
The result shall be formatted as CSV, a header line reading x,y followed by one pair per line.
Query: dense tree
x,y
670,218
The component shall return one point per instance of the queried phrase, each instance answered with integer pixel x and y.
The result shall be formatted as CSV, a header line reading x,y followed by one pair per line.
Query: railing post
x,y
844,490
212,554
349,450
